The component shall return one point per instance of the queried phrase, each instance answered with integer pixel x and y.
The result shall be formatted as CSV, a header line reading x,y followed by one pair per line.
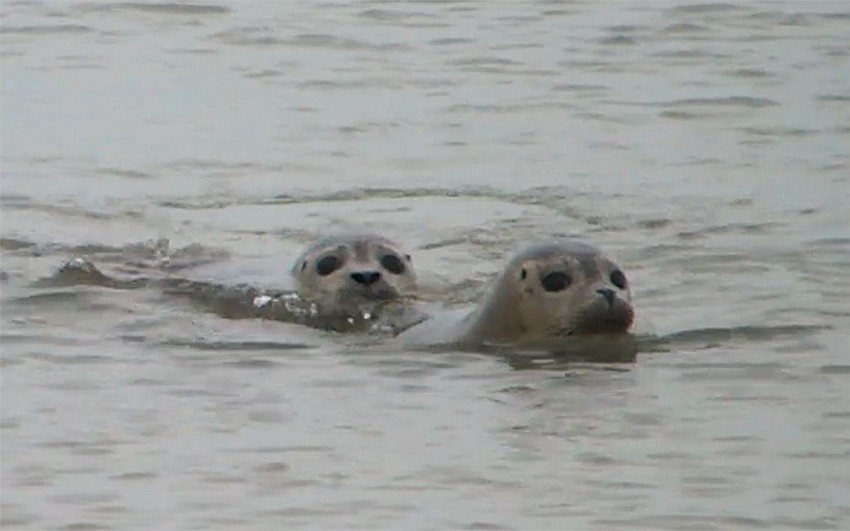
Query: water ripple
x,y
172,143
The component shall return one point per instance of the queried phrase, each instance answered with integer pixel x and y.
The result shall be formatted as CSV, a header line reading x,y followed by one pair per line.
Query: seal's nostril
x,y
367,278
608,294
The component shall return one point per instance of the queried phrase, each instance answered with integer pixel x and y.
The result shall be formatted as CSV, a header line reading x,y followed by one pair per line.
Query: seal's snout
x,y
366,278
608,294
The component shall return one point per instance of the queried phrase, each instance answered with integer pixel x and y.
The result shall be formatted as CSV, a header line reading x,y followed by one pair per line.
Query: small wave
x,y
403,18
708,337
683,28
212,164
368,193
263,36
13,244
730,228
449,41
149,255
51,297
778,131
749,73
618,40
249,36
119,172
324,40
484,61
48,30
730,101
582,88
835,369
707,7
325,84
203,344
71,211
52,339
691,53
81,272
556,353
164,8
837,15
71,359
836,98
578,351
841,243
253,363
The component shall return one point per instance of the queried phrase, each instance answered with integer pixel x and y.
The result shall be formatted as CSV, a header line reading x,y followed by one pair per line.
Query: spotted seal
x,y
342,271
548,290
343,282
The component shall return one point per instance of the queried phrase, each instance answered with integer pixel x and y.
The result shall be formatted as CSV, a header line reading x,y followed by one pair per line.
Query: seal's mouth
x,y
374,292
605,319
599,318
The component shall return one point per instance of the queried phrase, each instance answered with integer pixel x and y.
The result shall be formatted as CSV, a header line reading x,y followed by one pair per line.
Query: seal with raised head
x,y
342,282
549,290
342,271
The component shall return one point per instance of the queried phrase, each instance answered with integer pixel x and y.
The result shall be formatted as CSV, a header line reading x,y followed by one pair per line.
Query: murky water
x,y
705,145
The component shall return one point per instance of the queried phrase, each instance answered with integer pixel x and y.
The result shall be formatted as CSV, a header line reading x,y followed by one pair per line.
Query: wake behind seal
x,y
344,282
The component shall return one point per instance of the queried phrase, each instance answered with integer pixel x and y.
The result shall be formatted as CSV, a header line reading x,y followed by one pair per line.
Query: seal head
x,y
343,270
570,288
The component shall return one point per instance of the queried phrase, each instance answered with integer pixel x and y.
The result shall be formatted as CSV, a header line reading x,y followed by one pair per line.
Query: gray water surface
x,y
706,146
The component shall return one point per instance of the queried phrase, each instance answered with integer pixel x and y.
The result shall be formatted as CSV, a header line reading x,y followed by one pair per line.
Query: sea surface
x,y
704,145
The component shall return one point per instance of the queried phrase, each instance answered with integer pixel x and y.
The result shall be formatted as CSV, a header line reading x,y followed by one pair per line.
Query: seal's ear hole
x,y
523,273
408,258
618,279
556,281
304,265
327,265
392,263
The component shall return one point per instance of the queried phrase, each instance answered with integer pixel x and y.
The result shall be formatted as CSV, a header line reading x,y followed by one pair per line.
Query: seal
x,y
344,282
548,290
342,271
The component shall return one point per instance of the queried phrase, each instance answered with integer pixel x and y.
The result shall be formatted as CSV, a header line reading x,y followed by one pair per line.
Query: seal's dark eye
x,y
556,281
522,274
327,265
618,279
304,265
393,264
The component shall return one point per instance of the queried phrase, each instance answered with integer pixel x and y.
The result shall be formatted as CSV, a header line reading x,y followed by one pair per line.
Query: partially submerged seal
x,y
342,272
548,291
346,282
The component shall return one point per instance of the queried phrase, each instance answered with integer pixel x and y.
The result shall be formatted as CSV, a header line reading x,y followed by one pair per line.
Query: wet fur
x,y
517,308
337,292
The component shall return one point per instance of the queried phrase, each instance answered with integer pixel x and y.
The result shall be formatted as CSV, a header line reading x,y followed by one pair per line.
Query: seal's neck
x,y
496,319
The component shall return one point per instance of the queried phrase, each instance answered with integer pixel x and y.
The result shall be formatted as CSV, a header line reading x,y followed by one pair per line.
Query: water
x,y
704,145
